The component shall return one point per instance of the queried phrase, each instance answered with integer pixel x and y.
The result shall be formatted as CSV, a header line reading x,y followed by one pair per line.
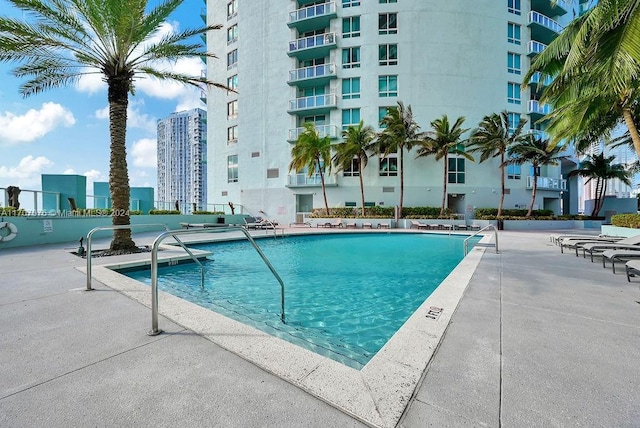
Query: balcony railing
x,y
540,135
548,183
313,11
537,79
545,21
302,180
312,41
534,48
313,72
536,107
313,102
330,131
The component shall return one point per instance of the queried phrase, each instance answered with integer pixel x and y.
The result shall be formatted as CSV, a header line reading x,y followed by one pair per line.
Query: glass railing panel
x,y
312,11
312,72
545,21
312,41
326,100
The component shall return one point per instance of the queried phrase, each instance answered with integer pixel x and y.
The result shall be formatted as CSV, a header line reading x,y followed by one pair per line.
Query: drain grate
x,y
434,313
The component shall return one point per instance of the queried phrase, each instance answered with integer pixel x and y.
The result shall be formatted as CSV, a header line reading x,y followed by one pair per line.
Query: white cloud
x,y
69,171
144,153
34,124
135,118
26,173
91,83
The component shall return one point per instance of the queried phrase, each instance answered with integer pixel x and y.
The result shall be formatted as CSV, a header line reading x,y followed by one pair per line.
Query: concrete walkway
x,y
539,339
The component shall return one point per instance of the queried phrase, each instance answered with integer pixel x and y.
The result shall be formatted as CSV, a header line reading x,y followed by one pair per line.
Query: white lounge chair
x,y
632,267
336,223
576,243
598,247
417,225
619,256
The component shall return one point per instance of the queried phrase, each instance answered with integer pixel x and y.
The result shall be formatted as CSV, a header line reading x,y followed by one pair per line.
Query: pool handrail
x,y
154,268
130,226
466,240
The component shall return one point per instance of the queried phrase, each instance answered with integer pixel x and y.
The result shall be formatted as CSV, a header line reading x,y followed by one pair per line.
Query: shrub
x,y
209,212
512,214
626,220
163,212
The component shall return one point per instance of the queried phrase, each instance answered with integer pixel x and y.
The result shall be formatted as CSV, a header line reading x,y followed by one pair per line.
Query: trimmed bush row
x,y
626,220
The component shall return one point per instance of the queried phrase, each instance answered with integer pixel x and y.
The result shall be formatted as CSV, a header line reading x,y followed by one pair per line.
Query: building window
x,y
232,59
382,113
513,93
232,134
388,23
232,9
351,88
513,33
514,121
350,3
388,86
388,54
232,82
232,109
513,63
387,1
351,27
389,166
514,172
351,57
456,171
353,170
232,34
350,117
513,6
232,169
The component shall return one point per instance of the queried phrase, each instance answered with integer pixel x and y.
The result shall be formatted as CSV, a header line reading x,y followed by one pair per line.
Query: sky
x,y
66,130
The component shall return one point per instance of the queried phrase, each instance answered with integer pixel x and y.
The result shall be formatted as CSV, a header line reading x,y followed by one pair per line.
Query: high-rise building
x,y
334,63
182,161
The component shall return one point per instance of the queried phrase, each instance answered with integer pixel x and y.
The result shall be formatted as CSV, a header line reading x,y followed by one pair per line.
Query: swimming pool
x,y
346,294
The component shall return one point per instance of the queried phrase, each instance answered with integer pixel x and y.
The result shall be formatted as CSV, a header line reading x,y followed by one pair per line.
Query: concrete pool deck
x,y
539,339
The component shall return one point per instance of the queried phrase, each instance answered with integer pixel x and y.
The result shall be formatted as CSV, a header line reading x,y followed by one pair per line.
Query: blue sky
x,y
66,131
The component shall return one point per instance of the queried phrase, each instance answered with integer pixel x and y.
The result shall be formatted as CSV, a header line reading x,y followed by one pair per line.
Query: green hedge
x,y
626,220
378,212
512,214
209,212
163,212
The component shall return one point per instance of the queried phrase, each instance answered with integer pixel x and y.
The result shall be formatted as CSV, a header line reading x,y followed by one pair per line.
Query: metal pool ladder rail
x,y
154,268
131,226
489,226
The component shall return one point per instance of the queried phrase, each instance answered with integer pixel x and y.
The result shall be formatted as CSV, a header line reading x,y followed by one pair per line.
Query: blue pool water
x,y
346,294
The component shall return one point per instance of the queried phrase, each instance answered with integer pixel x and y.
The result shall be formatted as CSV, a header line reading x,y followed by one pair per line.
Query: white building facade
x,y
182,161
335,63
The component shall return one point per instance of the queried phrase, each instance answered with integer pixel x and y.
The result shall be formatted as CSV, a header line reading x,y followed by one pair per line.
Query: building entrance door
x,y
304,205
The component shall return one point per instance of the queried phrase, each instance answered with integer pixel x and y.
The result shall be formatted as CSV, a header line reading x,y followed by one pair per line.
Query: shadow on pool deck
x,y
539,339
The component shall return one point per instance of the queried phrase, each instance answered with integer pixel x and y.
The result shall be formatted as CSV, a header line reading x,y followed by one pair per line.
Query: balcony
x,y
304,180
203,96
330,131
534,48
547,7
543,28
312,17
537,82
537,110
548,183
317,104
317,75
313,46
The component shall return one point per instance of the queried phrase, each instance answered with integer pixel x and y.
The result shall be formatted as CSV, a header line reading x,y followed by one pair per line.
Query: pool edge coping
x,y
377,395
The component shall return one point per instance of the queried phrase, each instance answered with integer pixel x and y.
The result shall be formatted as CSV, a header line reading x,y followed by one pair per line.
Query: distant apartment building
x,y
334,63
182,161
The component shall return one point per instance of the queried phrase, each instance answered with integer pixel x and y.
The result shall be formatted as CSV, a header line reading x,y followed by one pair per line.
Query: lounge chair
x,y
252,223
351,225
384,225
619,256
576,243
434,226
632,267
417,225
199,225
336,223
598,247
367,226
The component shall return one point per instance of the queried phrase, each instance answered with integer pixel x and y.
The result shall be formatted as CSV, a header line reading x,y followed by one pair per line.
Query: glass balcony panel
x,y
536,107
548,183
330,131
313,72
316,10
304,180
534,48
316,102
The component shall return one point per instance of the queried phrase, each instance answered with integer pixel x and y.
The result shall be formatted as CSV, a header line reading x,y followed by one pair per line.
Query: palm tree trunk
x,y
596,200
633,130
534,189
324,193
501,183
444,185
361,187
401,180
118,173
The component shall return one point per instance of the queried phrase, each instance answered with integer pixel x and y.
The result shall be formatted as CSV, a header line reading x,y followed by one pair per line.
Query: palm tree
x,y
314,153
603,42
443,140
537,152
67,39
358,143
400,132
492,138
601,169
